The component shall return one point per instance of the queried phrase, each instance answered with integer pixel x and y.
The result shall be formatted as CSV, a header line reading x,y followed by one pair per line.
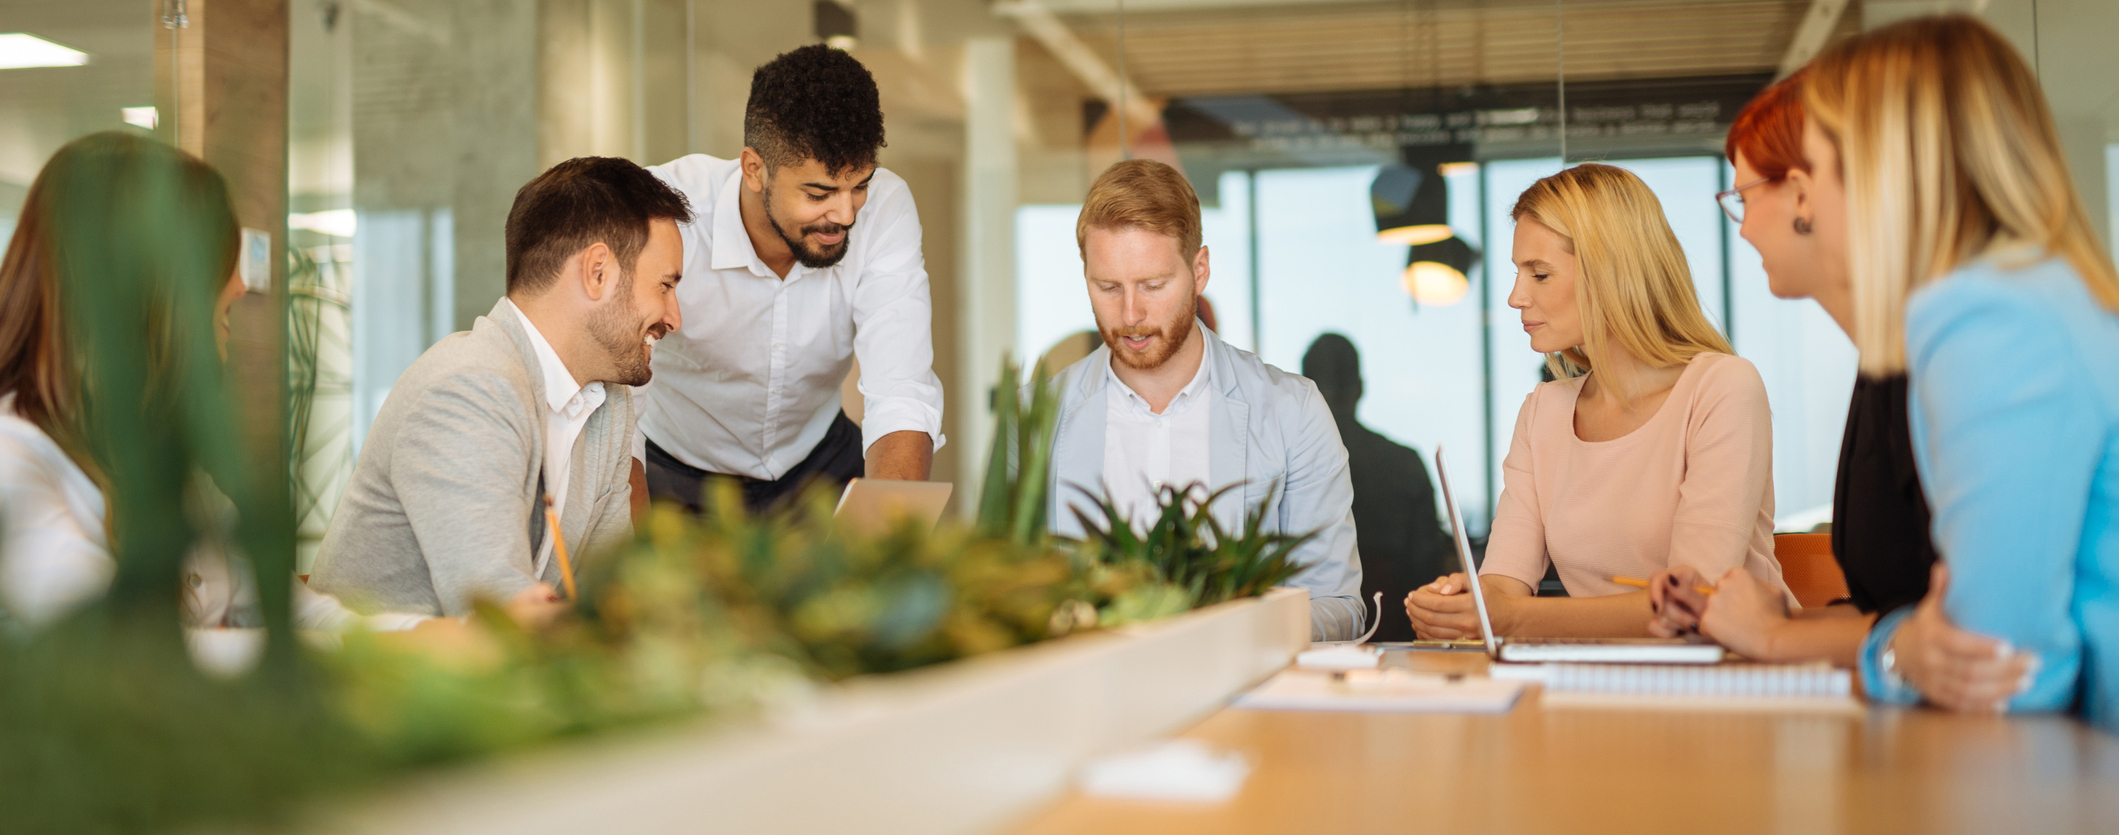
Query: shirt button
x,y
1158,423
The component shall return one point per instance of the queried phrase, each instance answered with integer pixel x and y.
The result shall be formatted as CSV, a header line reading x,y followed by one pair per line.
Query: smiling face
x,y
1144,292
642,308
814,211
1546,273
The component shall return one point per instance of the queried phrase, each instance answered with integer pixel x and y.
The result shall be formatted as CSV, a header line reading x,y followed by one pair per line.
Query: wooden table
x,y
1601,770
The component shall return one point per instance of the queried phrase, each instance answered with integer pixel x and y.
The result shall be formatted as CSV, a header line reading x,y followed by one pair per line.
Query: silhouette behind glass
x,y
1396,526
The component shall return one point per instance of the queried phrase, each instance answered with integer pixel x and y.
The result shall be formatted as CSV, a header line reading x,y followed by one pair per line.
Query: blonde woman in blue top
x,y
1973,268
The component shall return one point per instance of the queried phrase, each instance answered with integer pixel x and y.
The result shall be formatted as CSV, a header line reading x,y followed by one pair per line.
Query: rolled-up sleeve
x,y
894,326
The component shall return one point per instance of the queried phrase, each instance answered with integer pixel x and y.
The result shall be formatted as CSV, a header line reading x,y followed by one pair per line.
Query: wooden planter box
x,y
958,748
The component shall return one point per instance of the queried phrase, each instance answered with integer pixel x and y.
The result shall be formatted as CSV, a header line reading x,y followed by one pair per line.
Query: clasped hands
x,y
1953,668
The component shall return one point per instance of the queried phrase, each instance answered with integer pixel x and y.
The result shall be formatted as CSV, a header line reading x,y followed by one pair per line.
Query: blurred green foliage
x,y
106,726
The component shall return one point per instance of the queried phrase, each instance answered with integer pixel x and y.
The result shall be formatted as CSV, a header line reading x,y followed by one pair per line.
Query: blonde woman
x,y
1940,181
1652,448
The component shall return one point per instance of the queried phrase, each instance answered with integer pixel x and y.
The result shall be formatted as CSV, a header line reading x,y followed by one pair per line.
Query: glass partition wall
x,y
1357,162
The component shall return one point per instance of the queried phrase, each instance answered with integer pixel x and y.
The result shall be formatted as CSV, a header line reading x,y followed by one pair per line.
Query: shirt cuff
x,y
1883,685
899,414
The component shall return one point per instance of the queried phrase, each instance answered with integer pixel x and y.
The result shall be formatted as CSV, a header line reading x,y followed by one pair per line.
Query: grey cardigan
x,y
1269,428
446,503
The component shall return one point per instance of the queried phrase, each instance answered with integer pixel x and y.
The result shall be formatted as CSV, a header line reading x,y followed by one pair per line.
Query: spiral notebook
x,y
1733,686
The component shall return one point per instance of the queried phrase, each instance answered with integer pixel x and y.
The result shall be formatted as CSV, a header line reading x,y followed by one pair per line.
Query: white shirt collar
x,y
561,392
732,246
1185,396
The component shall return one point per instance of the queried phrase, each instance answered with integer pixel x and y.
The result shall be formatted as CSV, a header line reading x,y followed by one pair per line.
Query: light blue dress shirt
x,y
2015,416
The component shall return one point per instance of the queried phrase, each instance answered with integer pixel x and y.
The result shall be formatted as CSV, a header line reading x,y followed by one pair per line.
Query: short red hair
x,y
1769,130
1142,194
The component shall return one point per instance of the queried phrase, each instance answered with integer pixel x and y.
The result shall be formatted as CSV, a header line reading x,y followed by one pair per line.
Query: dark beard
x,y
815,259
615,330
1174,333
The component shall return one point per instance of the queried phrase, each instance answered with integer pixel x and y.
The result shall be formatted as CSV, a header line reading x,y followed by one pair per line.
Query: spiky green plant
x,y
1014,500
1188,551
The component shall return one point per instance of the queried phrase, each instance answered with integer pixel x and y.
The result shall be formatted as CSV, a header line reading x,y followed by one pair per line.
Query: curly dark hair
x,y
816,103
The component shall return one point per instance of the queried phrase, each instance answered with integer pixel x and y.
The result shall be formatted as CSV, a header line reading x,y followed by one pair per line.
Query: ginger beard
x,y
626,336
1164,338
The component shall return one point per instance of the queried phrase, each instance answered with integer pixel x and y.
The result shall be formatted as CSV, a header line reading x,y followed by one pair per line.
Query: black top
x,y
1396,526
1879,516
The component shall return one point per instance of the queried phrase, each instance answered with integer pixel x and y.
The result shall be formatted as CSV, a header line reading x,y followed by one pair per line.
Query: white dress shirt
x,y
1143,450
568,406
751,382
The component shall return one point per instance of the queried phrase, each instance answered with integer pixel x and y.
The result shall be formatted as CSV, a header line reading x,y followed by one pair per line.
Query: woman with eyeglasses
x,y
1879,517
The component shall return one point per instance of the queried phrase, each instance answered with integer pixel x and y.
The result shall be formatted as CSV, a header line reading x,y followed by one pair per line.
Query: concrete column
x,y
987,279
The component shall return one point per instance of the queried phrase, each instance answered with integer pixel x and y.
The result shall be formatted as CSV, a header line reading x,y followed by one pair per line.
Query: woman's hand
x,y
1442,610
1744,615
1954,668
1676,601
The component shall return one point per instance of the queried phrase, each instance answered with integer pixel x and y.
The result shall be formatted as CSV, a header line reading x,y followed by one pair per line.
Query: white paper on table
x,y
1180,769
1391,690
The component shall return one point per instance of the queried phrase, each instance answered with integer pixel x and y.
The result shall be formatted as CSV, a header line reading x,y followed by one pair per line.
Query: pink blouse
x,y
1692,486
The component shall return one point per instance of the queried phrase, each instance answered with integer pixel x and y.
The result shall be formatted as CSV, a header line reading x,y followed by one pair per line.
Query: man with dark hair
x,y
1399,533
447,503
805,257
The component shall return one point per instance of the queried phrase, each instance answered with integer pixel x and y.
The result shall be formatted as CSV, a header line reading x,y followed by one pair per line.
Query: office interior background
x,y
1316,132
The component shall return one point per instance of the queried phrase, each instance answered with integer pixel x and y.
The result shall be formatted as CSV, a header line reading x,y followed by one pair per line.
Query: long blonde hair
x,y
1635,290
1947,148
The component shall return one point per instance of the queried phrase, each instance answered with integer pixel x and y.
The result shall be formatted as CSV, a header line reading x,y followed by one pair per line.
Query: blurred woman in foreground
x,y
1941,184
1652,448
1879,517
100,200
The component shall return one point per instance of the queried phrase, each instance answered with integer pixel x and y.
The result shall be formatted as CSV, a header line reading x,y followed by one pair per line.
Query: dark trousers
x,y
836,459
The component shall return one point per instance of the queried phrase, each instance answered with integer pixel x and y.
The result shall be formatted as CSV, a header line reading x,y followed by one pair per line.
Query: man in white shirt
x,y
804,256
447,503
1166,403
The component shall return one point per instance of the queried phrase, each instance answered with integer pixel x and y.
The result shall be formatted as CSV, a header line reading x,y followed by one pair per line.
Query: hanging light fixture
x,y
1411,205
1435,272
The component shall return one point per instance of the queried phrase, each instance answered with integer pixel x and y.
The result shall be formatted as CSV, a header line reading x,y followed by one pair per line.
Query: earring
x,y
1802,227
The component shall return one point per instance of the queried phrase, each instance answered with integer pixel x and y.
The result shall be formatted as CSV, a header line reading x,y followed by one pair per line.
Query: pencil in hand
x,y
559,548
1642,584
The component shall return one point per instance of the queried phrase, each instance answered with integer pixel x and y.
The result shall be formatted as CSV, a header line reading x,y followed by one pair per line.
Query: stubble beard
x,y
1173,335
616,329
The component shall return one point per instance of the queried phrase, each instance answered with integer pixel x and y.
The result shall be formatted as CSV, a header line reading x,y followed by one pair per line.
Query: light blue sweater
x,y
2015,417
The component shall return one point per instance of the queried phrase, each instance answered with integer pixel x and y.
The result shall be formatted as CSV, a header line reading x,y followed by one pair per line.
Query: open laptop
x,y
1577,650
871,507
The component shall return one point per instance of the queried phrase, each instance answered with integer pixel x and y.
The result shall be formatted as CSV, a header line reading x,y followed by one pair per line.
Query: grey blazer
x,y
1269,427
446,503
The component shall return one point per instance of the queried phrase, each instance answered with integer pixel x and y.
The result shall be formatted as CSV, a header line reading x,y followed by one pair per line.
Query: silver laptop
x,y
1577,650
872,507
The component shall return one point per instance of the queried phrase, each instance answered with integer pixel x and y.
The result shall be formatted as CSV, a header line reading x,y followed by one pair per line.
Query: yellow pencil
x,y
559,547
1642,584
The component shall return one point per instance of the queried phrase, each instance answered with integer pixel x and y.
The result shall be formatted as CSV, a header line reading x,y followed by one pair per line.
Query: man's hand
x,y
905,455
1953,668
1442,610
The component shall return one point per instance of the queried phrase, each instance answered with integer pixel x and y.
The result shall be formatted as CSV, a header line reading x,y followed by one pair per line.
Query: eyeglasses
x,y
1732,201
